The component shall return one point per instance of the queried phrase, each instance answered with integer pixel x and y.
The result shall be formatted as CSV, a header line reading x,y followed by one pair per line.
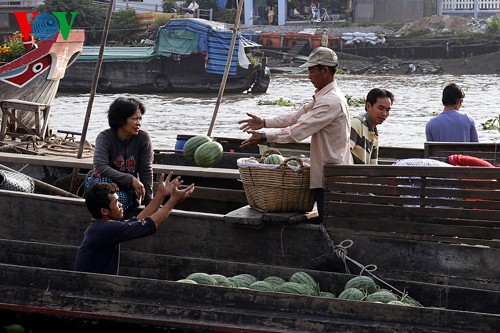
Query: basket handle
x,y
293,158
268,152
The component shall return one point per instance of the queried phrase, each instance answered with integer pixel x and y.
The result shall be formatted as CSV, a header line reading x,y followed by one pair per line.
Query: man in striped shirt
x,y
364,135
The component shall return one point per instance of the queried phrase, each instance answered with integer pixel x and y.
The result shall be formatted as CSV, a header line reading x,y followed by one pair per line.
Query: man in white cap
x,y
325,119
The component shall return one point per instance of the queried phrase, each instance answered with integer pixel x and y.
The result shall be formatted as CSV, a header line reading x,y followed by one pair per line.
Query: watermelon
x,y
274,281
221,280
246,277
274,159
305,278
383,296
262,286
326,294
363,283
192,144
352,294
187,281
202,278
410,301
295,288
208,154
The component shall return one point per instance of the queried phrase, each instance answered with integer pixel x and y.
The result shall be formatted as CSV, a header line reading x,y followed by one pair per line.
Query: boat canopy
x,y
117,53
192,35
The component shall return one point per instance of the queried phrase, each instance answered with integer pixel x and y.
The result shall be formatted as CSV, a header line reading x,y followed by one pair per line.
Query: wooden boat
x,y
38,285
34,77
217,214
216,224
189,56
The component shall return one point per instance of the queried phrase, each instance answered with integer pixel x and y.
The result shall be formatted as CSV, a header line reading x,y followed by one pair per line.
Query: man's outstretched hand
x,y
253,123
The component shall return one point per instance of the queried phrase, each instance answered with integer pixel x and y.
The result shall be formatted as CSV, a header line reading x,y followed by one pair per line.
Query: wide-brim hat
x,y
322,56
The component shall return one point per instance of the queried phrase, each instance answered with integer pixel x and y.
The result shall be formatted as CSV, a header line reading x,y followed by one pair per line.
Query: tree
x,y
90,17
122,24
169,6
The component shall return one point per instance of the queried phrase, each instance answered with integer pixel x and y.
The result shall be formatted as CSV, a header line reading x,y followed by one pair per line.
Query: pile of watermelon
x,y
203,151
364,288
300,283
359,288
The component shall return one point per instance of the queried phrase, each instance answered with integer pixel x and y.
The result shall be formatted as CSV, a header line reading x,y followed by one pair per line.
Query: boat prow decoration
x,y
34,77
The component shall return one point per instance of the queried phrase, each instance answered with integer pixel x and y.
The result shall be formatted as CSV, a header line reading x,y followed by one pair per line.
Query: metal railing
x,y
21,3
206,14
475,7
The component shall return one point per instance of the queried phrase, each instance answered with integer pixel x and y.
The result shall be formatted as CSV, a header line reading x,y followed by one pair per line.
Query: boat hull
x,y
62,221
38,282
35,76
158,74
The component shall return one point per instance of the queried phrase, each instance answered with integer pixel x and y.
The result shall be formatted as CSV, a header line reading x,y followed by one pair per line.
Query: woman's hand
x,y
138,188
252,123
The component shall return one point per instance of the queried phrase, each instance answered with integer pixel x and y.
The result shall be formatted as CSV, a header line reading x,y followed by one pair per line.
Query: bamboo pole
x,y
226,70
50,188
92,91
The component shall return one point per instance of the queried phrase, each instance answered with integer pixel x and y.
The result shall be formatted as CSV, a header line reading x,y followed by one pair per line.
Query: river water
x,y
417,98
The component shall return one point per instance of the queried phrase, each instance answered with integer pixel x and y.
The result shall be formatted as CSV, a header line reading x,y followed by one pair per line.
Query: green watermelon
x,y
363,283
383,296
192,144
352,294
274,159
208,154
305,278
202,278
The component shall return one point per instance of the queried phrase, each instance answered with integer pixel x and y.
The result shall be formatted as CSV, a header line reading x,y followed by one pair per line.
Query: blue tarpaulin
x,y
221,3
176,36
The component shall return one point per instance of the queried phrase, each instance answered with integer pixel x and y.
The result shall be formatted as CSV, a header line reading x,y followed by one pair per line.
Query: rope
x,y
340,251
51,145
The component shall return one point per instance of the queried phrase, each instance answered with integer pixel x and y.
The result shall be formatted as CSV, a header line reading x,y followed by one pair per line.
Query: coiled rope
x,y
52,145
340,251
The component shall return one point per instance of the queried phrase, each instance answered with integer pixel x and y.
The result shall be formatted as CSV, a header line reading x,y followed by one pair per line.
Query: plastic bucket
x,y
181,141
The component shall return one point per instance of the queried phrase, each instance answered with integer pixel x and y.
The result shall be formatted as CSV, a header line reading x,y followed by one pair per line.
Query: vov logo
x,y
44,25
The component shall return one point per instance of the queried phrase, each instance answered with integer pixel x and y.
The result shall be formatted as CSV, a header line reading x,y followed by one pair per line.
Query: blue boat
x,y
189,55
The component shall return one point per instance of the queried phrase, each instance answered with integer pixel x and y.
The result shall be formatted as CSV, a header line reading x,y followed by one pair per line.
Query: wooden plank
x,y
219,194
249,216
413,210
86,163
369,198
410,171
461,233
439,150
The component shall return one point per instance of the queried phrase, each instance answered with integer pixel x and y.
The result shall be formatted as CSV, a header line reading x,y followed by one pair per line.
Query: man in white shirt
x,y
193,6
325,119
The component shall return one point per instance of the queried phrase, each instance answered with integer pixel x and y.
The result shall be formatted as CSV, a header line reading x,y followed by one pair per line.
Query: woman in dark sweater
x,y
124,154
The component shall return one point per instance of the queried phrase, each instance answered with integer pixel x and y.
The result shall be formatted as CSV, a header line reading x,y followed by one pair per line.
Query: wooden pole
x,y
92,92
228,64
51,189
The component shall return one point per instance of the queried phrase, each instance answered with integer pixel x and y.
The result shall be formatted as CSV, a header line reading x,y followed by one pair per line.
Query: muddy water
x,y
167,115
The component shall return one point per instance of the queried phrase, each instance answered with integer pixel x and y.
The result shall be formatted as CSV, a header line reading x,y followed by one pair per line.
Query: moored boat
x,y
215,223
189,56
35,76
39,286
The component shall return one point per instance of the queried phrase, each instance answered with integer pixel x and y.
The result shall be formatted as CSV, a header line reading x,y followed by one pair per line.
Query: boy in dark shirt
x,y
99,251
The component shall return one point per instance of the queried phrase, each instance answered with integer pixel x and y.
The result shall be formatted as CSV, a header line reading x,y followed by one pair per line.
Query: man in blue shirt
x,y
99,251
451,125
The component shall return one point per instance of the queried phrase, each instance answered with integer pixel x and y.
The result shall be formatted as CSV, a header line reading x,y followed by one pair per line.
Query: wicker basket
x,y
277,188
